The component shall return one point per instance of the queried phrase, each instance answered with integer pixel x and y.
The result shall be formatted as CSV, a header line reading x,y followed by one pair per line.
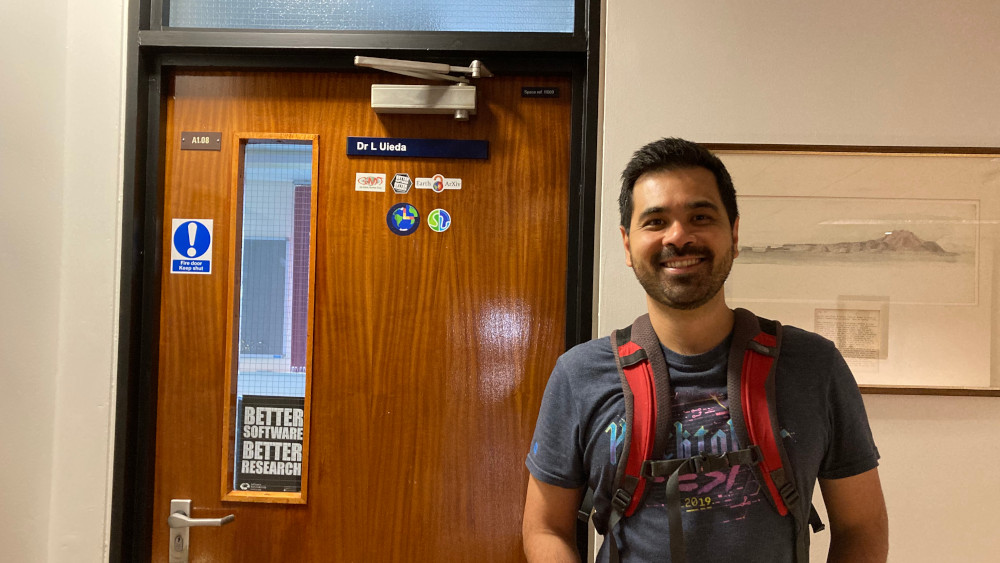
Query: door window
x,y
271,332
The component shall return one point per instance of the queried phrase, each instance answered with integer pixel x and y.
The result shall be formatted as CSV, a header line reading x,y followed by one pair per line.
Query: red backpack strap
x,y
751,399
640,416
752,407
646,386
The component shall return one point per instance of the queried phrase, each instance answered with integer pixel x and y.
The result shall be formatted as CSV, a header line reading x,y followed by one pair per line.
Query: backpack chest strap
x,y
672,469
705,463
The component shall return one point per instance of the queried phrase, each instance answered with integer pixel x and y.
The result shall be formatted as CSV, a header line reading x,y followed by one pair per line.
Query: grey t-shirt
x,y
726,517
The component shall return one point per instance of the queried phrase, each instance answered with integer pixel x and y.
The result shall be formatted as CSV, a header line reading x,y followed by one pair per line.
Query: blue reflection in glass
x,y
550,16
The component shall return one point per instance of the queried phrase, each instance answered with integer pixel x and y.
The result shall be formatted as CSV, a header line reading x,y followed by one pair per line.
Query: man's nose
x,y
678,234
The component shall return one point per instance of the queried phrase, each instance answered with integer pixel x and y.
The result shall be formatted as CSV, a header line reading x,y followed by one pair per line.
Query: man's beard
x,y
685,291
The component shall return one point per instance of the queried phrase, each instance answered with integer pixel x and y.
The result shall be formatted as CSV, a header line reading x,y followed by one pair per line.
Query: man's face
x,y
680,244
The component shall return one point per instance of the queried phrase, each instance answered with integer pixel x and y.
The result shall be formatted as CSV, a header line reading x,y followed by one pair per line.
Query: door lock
x,y
180,522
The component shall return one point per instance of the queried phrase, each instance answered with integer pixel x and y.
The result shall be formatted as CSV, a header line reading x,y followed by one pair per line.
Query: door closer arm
x,y
425,70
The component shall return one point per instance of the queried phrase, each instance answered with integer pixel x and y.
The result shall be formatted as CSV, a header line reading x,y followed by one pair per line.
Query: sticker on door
x,y
191,246
269,443
401,183
439,220
369,182
402,219
438,183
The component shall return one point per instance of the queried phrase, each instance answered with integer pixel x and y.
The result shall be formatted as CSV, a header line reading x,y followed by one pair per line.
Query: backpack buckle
x,y
698,463
705,463
788,493
621,500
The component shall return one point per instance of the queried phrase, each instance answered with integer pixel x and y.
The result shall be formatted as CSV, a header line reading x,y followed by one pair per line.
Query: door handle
x,y
180,522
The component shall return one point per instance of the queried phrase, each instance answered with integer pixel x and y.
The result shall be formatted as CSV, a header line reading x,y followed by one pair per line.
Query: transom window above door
x,y
538,16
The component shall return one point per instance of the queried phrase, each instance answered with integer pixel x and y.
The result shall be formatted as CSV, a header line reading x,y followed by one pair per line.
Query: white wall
x,y
88,292
60,117
31,183
847,72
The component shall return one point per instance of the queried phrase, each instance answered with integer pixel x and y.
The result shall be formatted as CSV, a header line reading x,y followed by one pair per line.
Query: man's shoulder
x,y
586,364
796,338
799,338
803,349
596,350
814,359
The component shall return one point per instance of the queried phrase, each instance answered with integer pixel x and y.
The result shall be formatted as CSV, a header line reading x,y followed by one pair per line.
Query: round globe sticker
x,y
438,220
402,219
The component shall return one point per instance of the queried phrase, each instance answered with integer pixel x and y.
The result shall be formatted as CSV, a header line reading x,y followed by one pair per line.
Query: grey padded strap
x,y
644,335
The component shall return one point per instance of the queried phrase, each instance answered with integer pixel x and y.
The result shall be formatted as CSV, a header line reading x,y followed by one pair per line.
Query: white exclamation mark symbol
x,y
192,231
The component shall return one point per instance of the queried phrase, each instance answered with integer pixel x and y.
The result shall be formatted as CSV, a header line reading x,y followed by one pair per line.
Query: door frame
x,y
155,51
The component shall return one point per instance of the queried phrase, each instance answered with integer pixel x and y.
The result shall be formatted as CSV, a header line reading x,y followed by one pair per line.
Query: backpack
x,y
753,355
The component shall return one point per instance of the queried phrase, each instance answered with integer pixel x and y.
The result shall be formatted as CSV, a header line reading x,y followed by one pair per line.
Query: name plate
x,y
201,141
417,148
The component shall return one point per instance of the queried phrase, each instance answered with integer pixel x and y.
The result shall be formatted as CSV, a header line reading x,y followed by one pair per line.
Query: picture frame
x,y
893,253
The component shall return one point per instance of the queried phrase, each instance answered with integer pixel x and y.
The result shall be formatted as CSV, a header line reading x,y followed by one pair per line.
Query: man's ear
x,y
628,248
736,237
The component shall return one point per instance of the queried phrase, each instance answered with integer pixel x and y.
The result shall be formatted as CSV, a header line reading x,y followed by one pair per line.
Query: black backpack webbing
x,y
752,363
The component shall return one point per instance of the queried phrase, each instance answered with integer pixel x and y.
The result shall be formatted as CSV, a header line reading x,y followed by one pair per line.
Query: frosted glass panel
x,y
553,16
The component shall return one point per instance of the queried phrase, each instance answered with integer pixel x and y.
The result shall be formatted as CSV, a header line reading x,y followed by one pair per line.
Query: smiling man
x,y
680,228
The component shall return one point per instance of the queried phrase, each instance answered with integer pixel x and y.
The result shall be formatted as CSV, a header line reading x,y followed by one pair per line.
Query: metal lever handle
x,y
179,520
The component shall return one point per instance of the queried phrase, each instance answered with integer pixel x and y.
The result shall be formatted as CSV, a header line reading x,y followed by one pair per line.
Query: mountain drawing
x,y
899,242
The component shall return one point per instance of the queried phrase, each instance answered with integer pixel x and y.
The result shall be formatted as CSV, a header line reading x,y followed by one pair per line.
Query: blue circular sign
x,y
402,219
192,239
438,220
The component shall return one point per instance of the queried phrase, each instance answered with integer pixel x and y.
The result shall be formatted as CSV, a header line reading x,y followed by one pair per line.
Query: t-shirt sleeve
x,y
851,450
555,456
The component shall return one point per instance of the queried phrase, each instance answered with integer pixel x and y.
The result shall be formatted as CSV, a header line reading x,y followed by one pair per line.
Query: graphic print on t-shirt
x,y
616,435
703,426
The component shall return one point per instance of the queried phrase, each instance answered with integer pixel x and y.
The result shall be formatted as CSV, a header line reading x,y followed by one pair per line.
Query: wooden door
x,y
428,352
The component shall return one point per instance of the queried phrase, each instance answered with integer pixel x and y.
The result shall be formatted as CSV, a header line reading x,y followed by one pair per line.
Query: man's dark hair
x,y
674,154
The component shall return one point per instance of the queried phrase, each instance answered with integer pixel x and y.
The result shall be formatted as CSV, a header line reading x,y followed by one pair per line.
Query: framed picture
x,y
891,253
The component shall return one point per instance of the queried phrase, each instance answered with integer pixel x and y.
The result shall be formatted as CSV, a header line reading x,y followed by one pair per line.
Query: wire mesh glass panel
x,y
274,288
271,319
552,16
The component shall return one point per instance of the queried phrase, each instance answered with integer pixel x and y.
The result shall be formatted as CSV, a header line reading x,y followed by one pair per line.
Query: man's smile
x,y
681,262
